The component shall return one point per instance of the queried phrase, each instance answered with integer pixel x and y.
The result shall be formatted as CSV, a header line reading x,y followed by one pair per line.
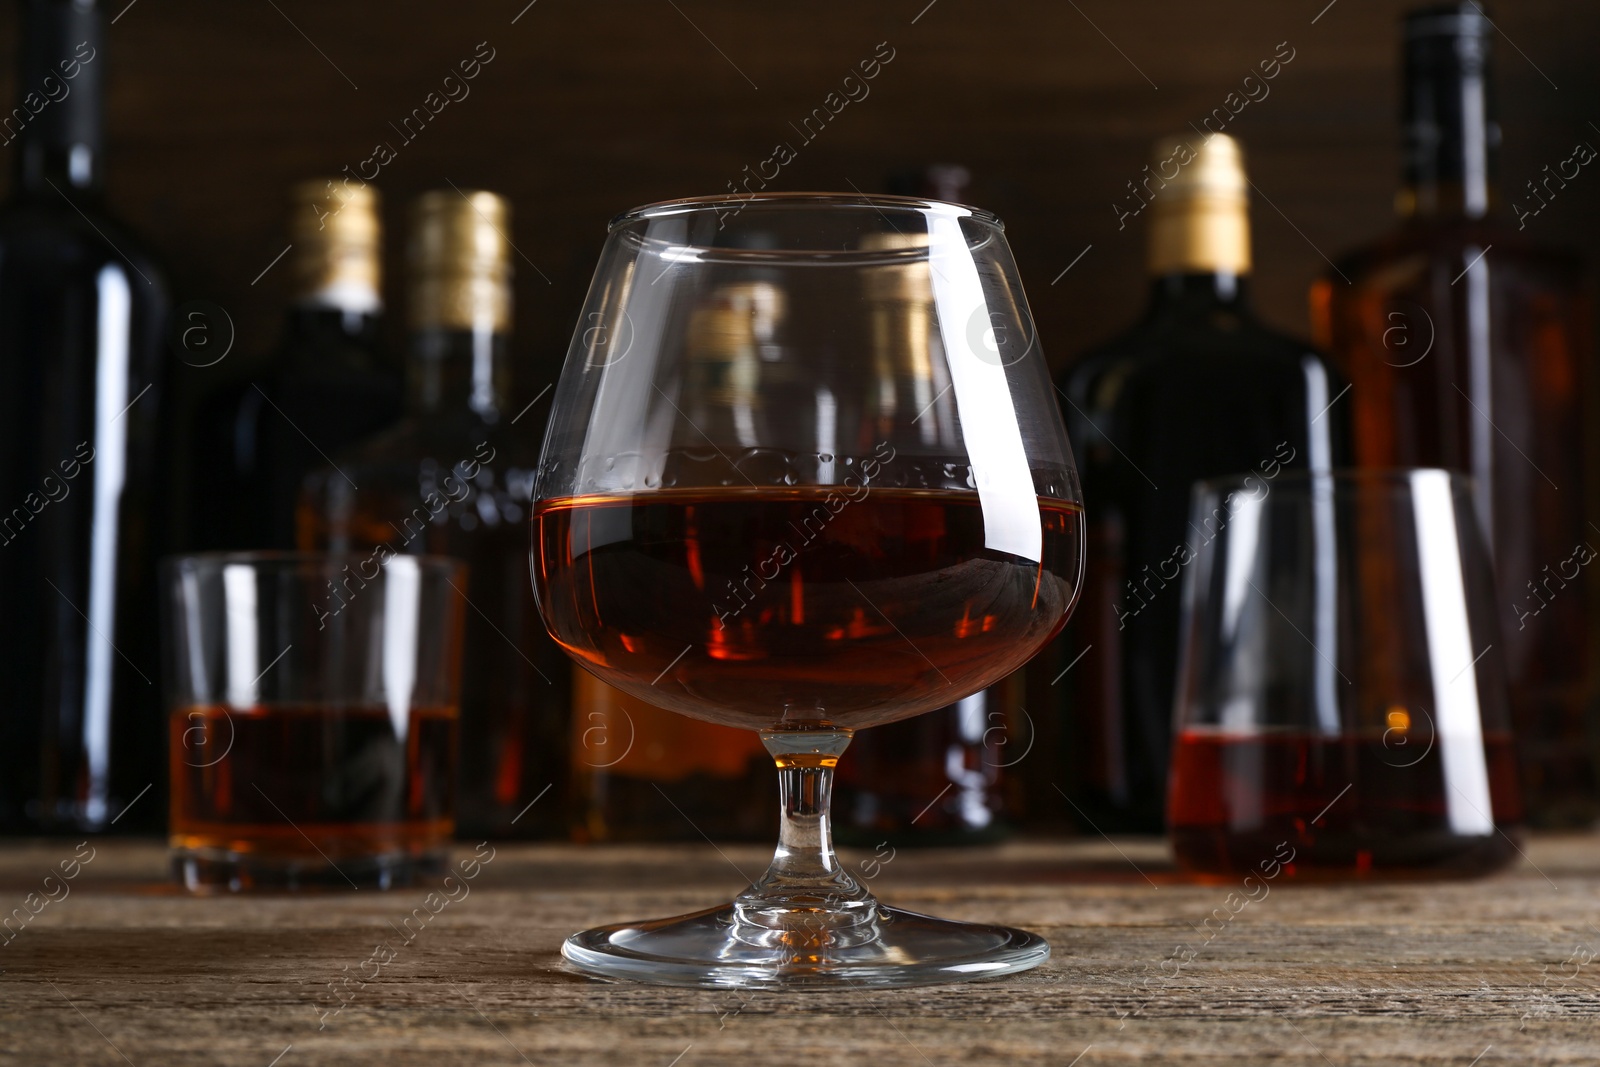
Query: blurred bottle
x,y
942,778
82,427
1198,388
643,774
1465,344
328,385
640,773
455,478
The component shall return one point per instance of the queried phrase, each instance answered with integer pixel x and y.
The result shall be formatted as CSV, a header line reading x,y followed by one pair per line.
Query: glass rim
x,y
800,200
282,558
1303,480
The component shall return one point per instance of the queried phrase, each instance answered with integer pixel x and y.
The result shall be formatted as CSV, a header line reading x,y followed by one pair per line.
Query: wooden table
x,y
124,968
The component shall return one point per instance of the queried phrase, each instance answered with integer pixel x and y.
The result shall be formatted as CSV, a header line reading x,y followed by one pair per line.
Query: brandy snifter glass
x,y
805,474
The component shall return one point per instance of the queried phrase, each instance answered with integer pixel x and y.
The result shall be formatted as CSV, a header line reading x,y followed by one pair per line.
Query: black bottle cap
x,y
933,181
1451,135
59,103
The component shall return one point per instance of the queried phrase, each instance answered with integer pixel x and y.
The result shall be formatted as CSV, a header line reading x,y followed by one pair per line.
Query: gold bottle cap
x,y
910,282
337,240
719,333
459,258
1200,213
727,335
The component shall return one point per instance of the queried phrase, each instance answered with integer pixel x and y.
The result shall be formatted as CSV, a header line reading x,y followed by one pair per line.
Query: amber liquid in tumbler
x,y
1354,804
311,783
787,608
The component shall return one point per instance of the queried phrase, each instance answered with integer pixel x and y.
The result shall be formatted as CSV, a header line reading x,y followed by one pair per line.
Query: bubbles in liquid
x,y
691,466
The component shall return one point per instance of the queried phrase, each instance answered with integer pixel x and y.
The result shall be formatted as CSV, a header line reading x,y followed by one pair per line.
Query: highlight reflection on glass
x,y
809,479
1341,691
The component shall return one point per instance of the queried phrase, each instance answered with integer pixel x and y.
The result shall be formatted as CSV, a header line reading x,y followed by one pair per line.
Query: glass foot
x,y
723,948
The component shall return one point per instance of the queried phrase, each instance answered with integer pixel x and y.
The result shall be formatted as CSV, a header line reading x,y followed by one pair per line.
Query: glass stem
x,y
806,887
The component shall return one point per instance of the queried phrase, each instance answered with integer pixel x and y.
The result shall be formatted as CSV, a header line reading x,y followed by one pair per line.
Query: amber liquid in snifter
x,y
873,612
312,783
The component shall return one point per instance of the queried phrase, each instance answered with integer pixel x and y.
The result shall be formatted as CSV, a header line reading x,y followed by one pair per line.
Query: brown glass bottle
x,y
455,478
639,772
1199,388
1465,342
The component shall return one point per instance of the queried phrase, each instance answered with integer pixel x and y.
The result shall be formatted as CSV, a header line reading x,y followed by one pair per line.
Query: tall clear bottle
x,y
1466,344
82,312
1198,388
328,385
455,477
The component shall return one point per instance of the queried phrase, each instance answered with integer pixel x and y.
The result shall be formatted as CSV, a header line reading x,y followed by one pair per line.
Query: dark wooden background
x,y
589,108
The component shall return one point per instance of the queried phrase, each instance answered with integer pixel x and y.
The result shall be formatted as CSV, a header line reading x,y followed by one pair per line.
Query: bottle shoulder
x,y
335,363
35,233
438,484
1416,248
1185,355
440,442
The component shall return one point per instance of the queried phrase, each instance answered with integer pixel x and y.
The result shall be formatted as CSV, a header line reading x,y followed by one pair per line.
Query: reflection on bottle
x,y
730,337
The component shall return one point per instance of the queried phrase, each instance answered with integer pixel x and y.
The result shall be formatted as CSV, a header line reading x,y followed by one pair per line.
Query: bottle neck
x,y
1191,293
458,370
58,121
1451,136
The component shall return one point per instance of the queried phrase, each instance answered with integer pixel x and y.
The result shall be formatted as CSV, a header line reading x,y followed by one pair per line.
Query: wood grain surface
x,y
127,969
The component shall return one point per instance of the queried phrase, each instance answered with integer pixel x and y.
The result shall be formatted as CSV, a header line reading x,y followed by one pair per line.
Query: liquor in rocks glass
x,y
782,541
313,724
1342,700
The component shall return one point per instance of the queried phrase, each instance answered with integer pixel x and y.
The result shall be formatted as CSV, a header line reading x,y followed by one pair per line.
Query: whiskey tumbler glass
x,y
312,722
1342,703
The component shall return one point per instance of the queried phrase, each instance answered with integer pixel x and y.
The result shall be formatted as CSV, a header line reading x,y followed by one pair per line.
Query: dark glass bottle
x,y
1198,388
82,369
1466,346
943,778
328,384
948,781
455,477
